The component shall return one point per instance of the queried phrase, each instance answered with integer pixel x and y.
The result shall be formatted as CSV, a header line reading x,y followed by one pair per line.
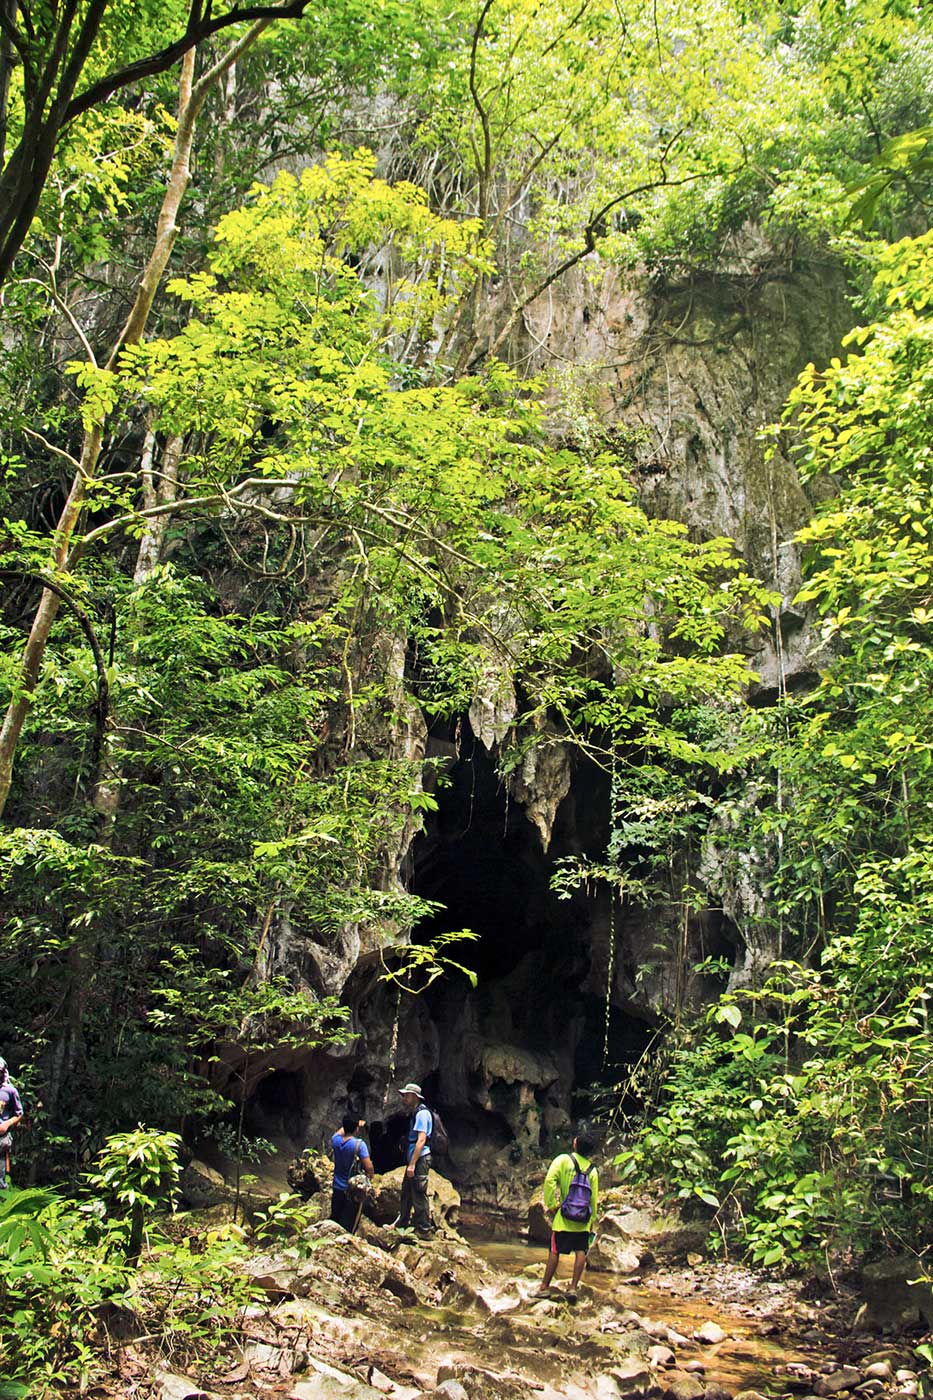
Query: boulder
x,y
665,1236
202,1186
631,1376
710,1334
173,1387
310,1173
617,1218
323,1387
383,1205
892,1297
539,1219
680,1386
843,1379
484,1385
614,1256
449,1390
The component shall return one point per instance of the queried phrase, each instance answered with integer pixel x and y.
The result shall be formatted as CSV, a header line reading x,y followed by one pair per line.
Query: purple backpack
x,y
577,1205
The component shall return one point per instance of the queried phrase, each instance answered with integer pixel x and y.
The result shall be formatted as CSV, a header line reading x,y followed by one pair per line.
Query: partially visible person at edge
x,y
418,1159
569,1236
11,1115
347,1147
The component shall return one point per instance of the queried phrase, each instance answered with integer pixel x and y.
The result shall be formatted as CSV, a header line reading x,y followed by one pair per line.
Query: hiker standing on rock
x,y
349,1151
571,1190
418,1158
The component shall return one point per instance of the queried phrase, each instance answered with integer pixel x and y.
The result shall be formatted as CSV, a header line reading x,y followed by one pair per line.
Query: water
x,y
684,1301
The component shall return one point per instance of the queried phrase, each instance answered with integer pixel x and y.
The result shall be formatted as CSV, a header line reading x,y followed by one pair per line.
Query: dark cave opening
x,y
386,1139
523,1049
482,859
277,1106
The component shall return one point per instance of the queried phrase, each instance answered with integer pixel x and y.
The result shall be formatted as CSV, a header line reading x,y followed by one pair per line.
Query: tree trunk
x,y
108,786
67,550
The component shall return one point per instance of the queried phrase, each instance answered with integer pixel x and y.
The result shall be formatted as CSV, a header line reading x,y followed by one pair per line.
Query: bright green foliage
x,y
363,514
654,134
139,1171
284,1220
812,1125
246,759
64,1268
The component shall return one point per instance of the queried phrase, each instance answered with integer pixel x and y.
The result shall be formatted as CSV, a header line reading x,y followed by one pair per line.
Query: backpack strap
x,y
577,1167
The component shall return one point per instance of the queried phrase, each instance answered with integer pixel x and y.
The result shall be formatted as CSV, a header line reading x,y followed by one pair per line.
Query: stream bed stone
x,y
380,1314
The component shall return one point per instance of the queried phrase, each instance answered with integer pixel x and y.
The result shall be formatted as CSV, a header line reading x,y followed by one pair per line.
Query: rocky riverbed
x,y
381,1314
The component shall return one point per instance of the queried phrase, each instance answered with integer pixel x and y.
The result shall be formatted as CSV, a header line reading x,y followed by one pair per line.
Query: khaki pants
x,y
415,1196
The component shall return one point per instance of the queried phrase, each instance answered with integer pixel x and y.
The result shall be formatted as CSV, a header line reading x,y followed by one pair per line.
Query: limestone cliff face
x,y
688,375
683,377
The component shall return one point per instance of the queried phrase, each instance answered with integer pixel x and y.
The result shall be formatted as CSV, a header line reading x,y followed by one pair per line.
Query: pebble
x,y
904,1375
695,1366
659,1356
878,1371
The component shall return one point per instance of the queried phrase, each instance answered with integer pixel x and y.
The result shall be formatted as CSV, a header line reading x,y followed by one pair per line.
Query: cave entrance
x,y
518,1053
276,1107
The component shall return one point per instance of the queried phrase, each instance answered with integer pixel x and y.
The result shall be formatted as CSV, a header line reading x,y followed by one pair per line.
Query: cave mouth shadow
x,y
483,859
386,1140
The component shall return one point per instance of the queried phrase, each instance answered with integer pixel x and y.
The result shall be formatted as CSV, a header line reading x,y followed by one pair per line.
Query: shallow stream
x,y
760,1335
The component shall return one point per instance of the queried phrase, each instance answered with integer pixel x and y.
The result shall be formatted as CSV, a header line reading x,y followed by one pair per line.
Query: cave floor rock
x,y
380,1315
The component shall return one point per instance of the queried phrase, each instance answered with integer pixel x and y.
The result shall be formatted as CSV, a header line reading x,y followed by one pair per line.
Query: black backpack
x,y
438,1141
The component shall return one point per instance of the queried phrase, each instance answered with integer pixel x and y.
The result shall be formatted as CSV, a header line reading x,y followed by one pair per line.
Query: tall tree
x,y
59,54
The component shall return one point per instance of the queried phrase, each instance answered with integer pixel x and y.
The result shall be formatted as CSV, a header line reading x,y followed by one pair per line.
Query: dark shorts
x,y
570,1241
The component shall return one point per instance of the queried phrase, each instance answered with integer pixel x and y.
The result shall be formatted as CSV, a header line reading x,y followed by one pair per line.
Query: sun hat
x,y
411,1089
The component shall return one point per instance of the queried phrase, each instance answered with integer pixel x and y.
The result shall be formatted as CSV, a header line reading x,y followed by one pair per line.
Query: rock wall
x,y
683,377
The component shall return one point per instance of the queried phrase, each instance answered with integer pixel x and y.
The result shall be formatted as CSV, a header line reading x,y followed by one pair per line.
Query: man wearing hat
x,y
418,1157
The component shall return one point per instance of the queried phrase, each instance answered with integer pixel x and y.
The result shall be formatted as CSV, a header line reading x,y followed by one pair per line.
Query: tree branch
x,y
102,704
198,30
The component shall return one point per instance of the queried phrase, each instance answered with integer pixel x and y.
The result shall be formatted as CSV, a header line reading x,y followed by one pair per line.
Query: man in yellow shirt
x,y
571,1190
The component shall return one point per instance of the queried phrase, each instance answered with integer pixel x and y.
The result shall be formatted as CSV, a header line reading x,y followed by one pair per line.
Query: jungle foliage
x,y
276,483
801,1111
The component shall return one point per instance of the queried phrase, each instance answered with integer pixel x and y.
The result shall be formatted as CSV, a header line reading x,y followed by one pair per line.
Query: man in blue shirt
x,y
11,1113
347,1149
418,1158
